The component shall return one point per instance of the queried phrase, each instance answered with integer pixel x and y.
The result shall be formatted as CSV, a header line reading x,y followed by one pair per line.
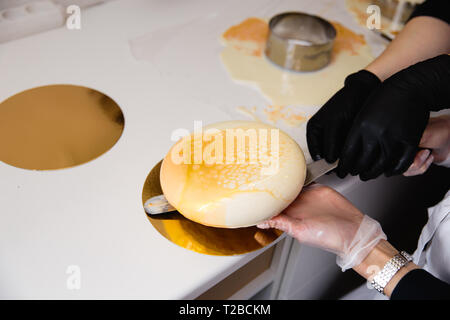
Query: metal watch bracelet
x,y
382,278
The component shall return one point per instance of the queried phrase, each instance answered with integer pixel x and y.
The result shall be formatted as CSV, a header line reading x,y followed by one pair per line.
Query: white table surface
x,y
91,215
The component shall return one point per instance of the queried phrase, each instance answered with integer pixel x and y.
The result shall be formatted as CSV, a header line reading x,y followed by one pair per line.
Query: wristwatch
x,y
382,278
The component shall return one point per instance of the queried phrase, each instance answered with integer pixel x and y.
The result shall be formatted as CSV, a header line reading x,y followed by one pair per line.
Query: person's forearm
x,y
375,262
422,38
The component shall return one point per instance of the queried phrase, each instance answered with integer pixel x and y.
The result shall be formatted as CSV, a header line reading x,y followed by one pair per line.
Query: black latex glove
x,y
386,132
327,129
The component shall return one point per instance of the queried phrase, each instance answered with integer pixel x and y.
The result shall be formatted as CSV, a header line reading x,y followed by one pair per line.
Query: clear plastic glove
x,y
436,138
323,218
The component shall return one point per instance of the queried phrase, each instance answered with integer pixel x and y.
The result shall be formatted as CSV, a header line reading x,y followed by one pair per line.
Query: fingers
x,y
366,160
314,137
332,142
427,164
369,158
375,170
388,162
349,154
422,162
404,161
325,142
285,223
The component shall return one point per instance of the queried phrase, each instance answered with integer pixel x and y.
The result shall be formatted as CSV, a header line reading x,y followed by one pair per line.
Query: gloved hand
x,y
327,129
386,132
436,138
323,218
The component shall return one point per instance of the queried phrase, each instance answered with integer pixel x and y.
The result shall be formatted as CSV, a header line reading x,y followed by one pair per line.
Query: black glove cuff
x,y
364,78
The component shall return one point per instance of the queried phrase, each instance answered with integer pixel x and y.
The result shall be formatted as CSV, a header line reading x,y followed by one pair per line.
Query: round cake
x,y
233,174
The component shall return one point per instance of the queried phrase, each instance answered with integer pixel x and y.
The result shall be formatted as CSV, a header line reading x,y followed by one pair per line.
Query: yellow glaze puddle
x,y
245,62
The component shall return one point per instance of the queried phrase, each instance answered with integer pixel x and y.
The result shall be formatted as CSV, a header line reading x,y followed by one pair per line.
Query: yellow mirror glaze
x,y
234,190
202,239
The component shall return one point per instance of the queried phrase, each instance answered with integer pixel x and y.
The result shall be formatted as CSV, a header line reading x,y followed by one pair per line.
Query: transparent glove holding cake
x,y
323,218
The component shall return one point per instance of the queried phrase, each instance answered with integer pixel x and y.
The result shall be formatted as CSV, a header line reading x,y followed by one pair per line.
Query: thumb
x,y
283,222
